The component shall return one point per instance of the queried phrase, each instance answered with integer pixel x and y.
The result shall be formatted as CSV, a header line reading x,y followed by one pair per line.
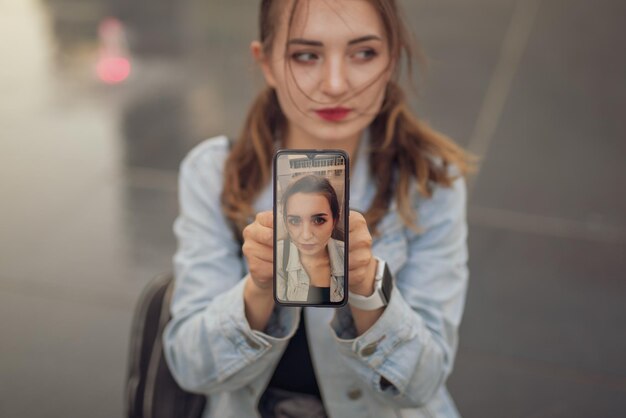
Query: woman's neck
x,y
316,260
318,268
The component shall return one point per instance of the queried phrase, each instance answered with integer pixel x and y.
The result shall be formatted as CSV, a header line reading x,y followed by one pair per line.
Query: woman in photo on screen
x,y
313,269
332,70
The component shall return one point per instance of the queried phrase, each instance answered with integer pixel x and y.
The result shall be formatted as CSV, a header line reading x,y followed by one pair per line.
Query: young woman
x,y
313,270
331,68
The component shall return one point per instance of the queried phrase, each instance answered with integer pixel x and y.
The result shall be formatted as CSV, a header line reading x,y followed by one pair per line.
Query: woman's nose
x,y
335,82
307,232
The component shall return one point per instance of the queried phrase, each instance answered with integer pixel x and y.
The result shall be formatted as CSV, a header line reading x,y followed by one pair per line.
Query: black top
x,y
295,370
318,295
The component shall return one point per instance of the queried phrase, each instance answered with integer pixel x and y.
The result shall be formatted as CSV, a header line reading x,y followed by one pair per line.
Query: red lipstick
x,y
333,114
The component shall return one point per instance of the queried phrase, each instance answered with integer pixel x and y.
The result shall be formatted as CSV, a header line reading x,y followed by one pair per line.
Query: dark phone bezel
x,y
345,220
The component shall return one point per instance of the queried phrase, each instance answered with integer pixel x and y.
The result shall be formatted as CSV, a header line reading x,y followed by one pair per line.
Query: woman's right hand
x,y
258,248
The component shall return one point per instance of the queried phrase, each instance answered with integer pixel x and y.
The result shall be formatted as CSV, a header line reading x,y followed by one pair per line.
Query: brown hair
x,y
313,184
402,147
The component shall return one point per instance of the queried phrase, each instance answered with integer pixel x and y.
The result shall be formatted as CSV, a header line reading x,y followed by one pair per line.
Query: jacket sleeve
x,y
209,345
407,355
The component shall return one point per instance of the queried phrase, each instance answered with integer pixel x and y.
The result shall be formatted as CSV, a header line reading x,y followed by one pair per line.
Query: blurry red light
x,y
112,69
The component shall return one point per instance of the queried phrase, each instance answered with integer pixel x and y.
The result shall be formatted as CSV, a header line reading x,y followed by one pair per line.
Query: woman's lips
x,y
308,246
333,114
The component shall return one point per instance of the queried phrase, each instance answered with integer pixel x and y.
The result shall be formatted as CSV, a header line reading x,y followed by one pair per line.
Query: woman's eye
x,y
304,57
319,220
294,221
366,54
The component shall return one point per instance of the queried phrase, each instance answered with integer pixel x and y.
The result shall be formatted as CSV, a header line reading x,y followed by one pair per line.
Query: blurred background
x,y
101,99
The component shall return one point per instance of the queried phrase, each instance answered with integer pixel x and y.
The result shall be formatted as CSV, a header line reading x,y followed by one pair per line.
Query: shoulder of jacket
x,y
447,204
211,149
458,185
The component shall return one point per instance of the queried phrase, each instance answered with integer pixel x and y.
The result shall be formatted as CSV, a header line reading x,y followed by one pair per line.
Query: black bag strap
x,y
151,389
143,333
286,248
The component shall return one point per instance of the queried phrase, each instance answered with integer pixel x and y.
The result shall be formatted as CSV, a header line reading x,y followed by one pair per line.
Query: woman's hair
x,y
402,147
313,184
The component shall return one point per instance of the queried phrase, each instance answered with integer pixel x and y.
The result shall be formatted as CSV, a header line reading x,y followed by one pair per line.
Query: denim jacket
x,y
211,348
295,287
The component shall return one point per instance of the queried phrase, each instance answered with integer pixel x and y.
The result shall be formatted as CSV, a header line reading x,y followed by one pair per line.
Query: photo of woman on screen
x,y
311,256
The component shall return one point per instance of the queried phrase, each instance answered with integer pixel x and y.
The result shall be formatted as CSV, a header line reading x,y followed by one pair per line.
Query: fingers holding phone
x,y
362,268
258,248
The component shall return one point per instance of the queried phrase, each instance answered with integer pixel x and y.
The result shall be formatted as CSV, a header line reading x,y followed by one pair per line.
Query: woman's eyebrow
x,y
318,214
309,42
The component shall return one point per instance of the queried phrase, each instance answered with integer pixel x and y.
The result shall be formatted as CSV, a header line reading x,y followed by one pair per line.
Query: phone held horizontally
x,y
311,208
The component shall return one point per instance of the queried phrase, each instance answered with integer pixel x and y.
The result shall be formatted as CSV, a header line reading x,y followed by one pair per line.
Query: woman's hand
x,y
362,271
258,248
362,267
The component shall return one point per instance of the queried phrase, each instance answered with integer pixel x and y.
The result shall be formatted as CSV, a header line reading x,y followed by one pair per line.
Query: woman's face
x,y
336,56
309,222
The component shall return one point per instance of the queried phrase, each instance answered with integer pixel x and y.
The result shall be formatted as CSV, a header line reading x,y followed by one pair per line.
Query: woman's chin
x,y
309,250
312,250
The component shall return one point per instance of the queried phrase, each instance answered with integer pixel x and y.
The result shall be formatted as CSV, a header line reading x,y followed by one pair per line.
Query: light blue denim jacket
x,y
211,348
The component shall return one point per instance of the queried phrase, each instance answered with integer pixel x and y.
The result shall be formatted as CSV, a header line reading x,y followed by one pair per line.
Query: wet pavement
x,y
88,187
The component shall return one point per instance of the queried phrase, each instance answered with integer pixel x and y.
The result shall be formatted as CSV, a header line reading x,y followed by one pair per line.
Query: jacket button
x,y
369,349
354,394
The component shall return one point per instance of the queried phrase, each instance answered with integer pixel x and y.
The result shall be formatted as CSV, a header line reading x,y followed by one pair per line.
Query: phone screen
x,y
311,194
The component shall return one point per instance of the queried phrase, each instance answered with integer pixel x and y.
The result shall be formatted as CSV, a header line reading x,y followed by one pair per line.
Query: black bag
x,y
151,391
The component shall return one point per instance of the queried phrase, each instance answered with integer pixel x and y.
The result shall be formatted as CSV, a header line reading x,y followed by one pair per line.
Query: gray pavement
x,y
88,189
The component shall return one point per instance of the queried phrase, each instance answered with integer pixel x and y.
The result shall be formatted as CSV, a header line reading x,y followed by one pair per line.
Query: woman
x,y
311,266
331,68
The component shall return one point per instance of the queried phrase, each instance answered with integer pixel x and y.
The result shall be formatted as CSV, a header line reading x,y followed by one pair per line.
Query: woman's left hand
x,y
362,267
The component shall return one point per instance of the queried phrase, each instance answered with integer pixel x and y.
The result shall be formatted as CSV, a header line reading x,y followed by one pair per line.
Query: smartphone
x,y
311,209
